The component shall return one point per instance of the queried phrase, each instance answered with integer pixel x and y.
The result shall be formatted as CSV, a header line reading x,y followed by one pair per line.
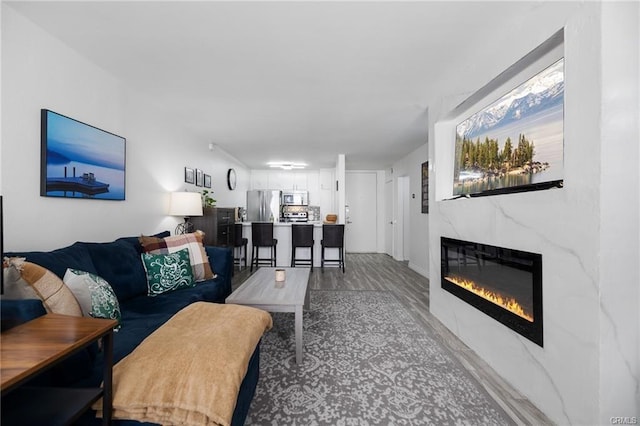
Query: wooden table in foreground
x,y
31,348
261,291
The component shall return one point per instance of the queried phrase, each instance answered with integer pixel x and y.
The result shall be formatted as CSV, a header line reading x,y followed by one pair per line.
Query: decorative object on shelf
x,y
425,187
79,160
231,179
207,199
185,204
199,177
207,181
189,175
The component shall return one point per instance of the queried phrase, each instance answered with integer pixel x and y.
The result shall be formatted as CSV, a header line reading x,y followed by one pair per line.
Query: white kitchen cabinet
x,y
327,179
300,181
287,180
282,180
313,186
259,179
327,192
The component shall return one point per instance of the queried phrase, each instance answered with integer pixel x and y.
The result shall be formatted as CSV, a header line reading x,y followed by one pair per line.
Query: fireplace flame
x,y
509,303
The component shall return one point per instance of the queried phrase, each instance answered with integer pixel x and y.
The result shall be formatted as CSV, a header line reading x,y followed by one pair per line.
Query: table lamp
x,y
185,204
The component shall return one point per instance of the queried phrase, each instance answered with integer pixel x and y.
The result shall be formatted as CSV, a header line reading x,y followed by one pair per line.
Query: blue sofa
x,y
119,263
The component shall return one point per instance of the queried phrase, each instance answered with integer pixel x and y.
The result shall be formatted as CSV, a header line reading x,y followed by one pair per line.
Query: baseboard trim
x,y
422,271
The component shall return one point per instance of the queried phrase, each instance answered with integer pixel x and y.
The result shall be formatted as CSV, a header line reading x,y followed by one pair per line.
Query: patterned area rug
x,y
366,362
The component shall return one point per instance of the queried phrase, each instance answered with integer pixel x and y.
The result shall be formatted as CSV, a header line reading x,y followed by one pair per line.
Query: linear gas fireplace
x,y
503,283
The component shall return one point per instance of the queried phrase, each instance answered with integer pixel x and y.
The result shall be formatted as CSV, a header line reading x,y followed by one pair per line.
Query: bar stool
x,y
262,236
301,236
333,237
239,242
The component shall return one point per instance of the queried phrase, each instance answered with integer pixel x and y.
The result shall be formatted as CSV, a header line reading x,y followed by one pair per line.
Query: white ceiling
x,y
288,81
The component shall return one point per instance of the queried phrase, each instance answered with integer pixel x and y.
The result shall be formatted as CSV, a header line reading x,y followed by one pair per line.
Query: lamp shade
x,y
185,204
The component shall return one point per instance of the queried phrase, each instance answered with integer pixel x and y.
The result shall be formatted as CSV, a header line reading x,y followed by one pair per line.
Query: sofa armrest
x,y
221,260
16,312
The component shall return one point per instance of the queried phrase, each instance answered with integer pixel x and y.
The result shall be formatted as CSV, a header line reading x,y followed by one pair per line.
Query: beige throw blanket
x,y
189,371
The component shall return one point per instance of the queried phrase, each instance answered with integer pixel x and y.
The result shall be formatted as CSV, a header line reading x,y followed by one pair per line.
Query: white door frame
x,y
401,219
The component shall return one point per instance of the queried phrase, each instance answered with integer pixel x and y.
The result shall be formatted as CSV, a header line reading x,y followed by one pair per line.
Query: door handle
x,y
349,221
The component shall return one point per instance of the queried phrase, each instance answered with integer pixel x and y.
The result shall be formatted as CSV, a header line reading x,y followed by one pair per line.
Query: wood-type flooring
x,y
373,271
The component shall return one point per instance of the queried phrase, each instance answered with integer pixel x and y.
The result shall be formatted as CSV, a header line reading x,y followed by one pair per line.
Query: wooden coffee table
x,y
261,291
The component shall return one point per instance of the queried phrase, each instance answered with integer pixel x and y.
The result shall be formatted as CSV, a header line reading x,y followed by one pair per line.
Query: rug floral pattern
x,y
366,362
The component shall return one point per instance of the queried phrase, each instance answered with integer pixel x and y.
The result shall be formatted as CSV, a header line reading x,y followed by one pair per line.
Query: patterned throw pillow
x,y
26,280
167,272
95,295
193,242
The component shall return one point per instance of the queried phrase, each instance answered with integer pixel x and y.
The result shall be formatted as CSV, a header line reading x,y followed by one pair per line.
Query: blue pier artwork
x,y
81,161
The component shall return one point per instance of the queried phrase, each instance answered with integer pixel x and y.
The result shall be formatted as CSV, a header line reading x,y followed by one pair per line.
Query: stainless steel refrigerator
x,y
263,205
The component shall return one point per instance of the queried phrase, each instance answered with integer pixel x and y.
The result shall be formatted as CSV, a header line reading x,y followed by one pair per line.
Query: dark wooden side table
x,y
33,347
217,223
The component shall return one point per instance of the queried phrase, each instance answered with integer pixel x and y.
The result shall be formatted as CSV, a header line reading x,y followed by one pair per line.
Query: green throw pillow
x,y
94,294
168,272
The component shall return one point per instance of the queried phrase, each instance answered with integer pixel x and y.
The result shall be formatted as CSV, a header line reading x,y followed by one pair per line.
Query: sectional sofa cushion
x,y
167,272
95,295
118,262
193,242
135,241
19,311
26,280
57,261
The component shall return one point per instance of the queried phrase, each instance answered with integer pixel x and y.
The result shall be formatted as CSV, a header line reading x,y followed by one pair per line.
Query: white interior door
x,y
388,218
361,216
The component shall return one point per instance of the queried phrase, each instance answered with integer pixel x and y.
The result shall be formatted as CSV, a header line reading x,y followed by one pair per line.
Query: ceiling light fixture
x,y
286,165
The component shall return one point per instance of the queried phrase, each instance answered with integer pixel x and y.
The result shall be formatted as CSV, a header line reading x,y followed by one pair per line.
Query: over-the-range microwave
x,y
295,198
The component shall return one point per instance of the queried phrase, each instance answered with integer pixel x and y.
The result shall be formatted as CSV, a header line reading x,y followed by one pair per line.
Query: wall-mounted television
x,y
516,143
79,160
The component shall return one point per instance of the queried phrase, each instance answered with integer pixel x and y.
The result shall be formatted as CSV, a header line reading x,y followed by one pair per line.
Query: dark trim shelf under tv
x,y
513,189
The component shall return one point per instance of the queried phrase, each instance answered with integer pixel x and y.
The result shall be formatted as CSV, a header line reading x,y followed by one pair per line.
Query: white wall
x,y
38,71
619,213
587,370
411,166
1,8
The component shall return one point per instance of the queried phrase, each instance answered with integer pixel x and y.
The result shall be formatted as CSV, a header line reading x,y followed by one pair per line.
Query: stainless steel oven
x,y
294,214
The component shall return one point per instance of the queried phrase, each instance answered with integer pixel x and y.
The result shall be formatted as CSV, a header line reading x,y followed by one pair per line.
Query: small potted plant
x,y
207,199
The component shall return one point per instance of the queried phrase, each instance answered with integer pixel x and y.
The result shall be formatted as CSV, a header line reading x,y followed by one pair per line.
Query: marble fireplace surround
x,y
587,371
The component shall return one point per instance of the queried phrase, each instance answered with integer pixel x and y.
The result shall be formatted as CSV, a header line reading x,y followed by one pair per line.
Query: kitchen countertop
x,y
315,223
282,232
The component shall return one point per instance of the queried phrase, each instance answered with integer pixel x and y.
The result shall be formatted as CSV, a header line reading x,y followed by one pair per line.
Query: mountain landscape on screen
x,y
515,141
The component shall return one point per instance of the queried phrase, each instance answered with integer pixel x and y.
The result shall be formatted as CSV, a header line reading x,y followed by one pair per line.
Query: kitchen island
x,y
282,232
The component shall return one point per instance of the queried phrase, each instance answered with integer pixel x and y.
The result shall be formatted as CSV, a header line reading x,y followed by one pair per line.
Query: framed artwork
x,y
78,160
207,181
189,175
199,178
425,187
